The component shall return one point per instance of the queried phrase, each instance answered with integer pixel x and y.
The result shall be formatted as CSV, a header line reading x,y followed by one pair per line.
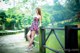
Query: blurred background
x,y
15,14
18,14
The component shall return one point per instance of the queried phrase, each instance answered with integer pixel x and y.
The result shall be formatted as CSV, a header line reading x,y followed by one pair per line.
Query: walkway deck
x,y
14,43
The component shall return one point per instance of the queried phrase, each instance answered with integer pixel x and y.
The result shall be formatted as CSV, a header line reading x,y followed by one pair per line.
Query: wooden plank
x,y
71,39
42,41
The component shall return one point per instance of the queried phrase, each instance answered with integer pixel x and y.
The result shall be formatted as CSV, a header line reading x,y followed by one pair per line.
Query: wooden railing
x,y
71,39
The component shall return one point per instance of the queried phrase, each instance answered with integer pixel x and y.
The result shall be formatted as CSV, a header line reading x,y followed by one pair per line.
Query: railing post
x,y
71,39
26,31
42,49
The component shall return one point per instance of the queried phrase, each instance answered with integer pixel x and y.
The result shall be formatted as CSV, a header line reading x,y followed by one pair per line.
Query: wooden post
x,y
71,39
26,31
42,49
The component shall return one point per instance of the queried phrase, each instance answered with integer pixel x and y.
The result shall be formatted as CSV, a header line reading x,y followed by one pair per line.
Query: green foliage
x,y
27,20
25,0
60,13
21,15
2,16
14,17
79,39
45,18
73,5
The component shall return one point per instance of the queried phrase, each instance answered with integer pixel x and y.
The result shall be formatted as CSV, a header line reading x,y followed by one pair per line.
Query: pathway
x,y
14,43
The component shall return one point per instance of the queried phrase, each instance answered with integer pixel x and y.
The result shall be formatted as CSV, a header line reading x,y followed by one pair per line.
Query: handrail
x,y
75,28
48,35
58,40
70,30
59,28
53,28
51,49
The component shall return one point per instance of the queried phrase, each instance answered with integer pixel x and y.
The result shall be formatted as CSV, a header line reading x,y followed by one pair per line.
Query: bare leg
x,y
29,36
32,38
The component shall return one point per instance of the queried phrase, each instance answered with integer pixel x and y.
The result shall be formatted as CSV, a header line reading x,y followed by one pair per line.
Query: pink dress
x,y
34,26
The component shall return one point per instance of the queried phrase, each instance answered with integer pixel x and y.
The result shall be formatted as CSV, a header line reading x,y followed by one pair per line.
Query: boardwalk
x,y
14,43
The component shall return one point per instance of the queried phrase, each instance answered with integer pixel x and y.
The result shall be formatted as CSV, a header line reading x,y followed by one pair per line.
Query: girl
x,y
34,27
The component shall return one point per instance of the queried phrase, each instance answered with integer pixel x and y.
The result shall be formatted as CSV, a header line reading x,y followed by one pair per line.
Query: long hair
x,y
39,12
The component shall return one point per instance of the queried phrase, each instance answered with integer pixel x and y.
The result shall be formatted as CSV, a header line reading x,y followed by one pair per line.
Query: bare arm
x,y
40,21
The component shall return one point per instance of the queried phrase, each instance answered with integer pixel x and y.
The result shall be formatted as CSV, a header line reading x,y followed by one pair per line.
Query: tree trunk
x,y
3,26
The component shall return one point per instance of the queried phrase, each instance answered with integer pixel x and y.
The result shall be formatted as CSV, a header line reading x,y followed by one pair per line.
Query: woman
x,y
34,27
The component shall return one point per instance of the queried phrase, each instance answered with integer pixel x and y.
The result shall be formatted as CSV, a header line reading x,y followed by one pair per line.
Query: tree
x,y
3,19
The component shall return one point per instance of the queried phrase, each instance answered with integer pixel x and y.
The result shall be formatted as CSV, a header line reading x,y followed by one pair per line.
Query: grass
x,y
54,44
52,41
79,39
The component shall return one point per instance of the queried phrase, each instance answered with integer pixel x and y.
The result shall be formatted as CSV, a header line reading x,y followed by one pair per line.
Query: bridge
x,y
16,43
